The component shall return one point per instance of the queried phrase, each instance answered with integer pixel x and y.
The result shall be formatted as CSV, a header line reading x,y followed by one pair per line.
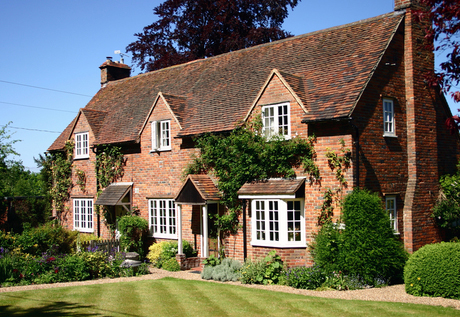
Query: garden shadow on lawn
x,y
50,308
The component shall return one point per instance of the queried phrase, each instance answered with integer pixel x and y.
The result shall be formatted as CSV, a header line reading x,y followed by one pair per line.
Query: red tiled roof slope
x,y
271,187
327,69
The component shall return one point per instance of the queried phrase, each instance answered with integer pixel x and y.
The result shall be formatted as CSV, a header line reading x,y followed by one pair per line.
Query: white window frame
x,y
389,128
391,208
81,145
271,225
83,214
271,117
163,218
161,135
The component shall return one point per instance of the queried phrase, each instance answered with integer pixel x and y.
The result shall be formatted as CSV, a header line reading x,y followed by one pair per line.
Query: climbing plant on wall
x,y
338,162
109,167
60,167
245,154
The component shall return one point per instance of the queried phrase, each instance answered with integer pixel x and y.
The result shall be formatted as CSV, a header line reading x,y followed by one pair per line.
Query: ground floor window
x,y
83,214
390,206
278,223
162,218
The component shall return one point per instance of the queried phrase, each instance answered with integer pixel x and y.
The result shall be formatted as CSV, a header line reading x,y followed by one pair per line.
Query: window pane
x,y
294,221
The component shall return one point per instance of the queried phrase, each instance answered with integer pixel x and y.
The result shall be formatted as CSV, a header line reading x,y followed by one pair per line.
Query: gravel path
x,y
393,293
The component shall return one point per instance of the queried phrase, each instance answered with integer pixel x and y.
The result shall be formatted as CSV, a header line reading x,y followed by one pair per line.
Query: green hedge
x,y
434,270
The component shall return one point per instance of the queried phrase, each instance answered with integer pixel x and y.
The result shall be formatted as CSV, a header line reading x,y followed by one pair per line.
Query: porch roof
x,y
198,190
114,194
284,188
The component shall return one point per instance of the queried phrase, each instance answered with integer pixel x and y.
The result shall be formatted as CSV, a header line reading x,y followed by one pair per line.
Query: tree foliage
x,y
446,212
187,30
17,181
443,35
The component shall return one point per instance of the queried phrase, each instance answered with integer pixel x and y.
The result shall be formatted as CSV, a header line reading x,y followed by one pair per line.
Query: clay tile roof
x,y
272,187
113,194
95,119
328,70
197,189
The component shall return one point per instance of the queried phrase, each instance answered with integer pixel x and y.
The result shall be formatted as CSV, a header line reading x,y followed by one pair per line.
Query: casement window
x,y
388,118
161,135
162,218
278,223
390,206
276,120
83,215
81,145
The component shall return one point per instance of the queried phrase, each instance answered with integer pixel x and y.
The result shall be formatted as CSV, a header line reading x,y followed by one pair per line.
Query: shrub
x,y
228,270
35,241
266,271
132,229
434,270
211,261
305,277
326,247
367,248
165,250
171,264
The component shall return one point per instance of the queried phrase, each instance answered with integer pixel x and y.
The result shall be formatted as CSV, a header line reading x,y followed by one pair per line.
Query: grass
x,y
175,297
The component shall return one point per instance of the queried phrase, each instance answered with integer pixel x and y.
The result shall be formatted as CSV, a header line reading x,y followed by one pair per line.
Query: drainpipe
x,y
94,148
245,248
356,149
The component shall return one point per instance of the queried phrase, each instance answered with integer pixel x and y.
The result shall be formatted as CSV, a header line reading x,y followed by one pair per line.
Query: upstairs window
x,y
81,145
388,118
161,135
390,206
83,215
276,120
162,218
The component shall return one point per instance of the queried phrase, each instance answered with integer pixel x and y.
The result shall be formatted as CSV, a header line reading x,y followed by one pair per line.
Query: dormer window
x,y
388,118
81,145
276,121
161,135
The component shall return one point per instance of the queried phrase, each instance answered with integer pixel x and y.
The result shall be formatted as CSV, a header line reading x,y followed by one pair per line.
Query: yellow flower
x,y
411,284
418,278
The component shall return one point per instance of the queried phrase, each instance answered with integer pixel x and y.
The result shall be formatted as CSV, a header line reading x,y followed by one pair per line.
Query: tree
x,y
444,31
193,29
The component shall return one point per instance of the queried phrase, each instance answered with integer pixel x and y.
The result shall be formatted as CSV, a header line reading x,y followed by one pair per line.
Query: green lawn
x,y
175,297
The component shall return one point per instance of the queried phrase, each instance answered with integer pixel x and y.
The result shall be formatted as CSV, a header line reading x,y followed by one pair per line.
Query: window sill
x,y
390,136
165,236
160,150
84,230
81,158
396,233
280,245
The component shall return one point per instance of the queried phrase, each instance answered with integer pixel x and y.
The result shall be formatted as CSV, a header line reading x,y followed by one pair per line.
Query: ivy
x,y
245,155
109,167
338,162
60,166
81,179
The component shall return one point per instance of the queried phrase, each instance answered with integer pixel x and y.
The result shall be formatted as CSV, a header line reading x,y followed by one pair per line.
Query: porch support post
x,y
204,236
179,229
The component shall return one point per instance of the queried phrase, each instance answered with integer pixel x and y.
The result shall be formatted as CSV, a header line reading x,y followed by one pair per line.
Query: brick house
x,y
360,83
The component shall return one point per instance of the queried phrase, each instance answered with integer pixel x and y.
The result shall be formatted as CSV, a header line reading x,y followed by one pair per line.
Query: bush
x,y
367,248
211,261
35,241
228,270
132,229
305,277
434,270
266,271
165,250
171,264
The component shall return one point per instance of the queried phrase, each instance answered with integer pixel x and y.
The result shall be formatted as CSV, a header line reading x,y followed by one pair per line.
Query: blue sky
x,y
59,45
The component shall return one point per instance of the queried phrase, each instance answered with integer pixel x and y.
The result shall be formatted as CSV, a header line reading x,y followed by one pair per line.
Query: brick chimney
x,y
403,4
111,71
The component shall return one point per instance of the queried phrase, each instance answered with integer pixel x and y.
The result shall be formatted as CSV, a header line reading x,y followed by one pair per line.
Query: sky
x,y
51,50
